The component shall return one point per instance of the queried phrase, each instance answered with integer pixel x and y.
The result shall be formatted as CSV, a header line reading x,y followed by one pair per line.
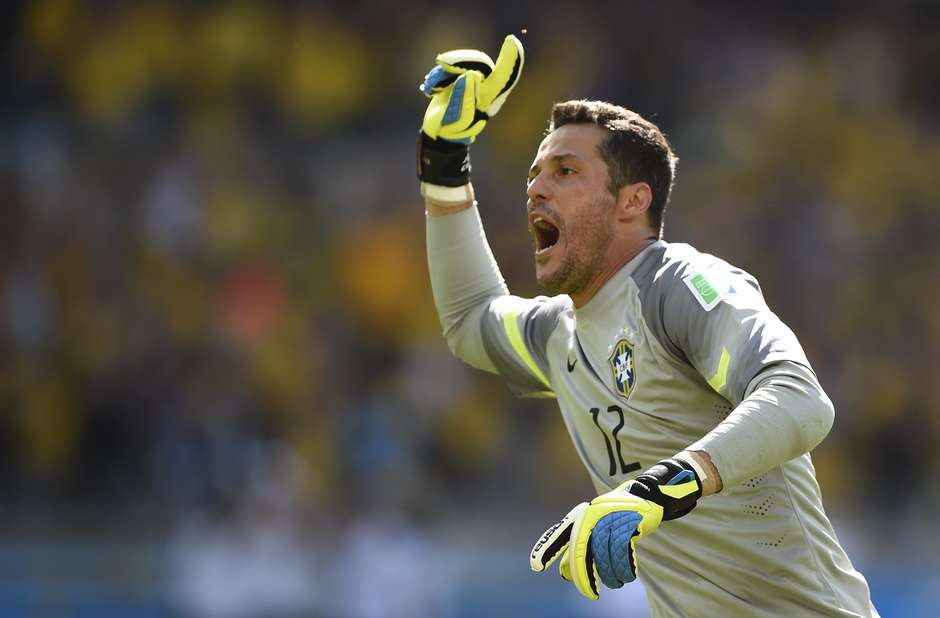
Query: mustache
x,y
543,209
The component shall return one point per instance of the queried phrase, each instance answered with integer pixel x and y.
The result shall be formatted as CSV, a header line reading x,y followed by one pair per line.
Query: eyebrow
x,y
555,159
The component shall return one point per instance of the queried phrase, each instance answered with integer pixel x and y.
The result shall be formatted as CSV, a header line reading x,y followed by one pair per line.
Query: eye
x,y
566,171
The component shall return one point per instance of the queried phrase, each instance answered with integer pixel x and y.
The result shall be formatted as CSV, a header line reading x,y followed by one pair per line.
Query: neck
x,y
613,264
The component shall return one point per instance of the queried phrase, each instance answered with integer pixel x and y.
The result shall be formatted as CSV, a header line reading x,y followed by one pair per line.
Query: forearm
x,y
785,415
464,278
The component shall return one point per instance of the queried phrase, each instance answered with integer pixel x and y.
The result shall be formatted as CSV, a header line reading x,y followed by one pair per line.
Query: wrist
x,y
444,164
447,197
708,474
672,484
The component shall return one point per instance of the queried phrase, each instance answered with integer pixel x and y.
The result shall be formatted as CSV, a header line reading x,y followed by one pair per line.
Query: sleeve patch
x,y
708,291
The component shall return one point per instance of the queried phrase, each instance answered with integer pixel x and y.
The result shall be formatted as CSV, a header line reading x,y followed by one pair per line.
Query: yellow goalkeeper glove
x,y
596,540
466,89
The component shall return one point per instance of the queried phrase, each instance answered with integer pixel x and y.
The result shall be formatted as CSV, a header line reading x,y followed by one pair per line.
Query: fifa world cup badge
x,y
623,368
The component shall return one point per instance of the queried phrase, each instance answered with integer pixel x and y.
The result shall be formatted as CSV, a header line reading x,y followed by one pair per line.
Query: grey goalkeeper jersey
x,y
678,351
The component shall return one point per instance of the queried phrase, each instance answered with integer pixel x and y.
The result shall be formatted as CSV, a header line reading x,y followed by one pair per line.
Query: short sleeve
x,y
515,333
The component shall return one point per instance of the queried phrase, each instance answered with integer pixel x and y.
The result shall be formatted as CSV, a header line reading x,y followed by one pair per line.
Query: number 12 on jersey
x,y
624,467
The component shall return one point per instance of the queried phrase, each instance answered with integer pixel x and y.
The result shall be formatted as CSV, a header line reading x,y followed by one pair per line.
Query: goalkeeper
x,y
692,406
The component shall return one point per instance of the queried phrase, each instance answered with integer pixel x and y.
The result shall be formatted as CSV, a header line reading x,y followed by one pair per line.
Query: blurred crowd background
x,y
223,388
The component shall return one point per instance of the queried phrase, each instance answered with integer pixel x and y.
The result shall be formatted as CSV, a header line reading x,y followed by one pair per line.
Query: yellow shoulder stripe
x,y
511,325
720,379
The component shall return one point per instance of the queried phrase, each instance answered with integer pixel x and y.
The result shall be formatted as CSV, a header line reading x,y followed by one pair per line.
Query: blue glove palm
x,y
612,547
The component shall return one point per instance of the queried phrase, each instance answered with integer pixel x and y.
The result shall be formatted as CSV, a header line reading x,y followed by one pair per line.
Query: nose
x,y
537,188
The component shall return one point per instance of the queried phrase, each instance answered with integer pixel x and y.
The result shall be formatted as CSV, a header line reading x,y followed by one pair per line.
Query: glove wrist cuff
x,y
673,484
689,461
443,163
447,196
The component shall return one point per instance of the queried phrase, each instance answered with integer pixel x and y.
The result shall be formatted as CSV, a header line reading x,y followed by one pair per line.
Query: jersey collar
x,y
612,287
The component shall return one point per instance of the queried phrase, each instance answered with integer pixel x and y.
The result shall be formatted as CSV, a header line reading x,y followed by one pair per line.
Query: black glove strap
x,y
443,163
647,486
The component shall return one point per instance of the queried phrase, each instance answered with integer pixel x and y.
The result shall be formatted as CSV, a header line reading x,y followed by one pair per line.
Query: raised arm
x,y
465,88
483,324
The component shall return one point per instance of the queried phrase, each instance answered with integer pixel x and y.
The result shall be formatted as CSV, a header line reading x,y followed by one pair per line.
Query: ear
x,y
633,201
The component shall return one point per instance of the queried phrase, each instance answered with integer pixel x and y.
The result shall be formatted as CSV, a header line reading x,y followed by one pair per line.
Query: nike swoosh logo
x,y
571,365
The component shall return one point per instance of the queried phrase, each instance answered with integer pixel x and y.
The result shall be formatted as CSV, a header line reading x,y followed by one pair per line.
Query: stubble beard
x,y
587,236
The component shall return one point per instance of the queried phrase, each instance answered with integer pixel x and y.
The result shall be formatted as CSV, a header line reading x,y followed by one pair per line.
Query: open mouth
x,y
545,233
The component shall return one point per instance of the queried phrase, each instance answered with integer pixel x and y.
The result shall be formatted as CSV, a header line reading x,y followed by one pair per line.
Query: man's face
x,y
571,212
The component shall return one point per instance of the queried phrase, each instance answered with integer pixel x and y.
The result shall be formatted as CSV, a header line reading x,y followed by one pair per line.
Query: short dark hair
x,y
634,151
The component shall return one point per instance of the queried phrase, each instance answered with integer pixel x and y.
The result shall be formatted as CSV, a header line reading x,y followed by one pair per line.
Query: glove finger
x,y
436,80
458,100
563,567
601,550
590,566
463,60
554,541
612,545
506,73
452,115
629,567
580,557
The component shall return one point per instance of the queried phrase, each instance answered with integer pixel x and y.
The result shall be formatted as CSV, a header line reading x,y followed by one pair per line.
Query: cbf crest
x,y
623,367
